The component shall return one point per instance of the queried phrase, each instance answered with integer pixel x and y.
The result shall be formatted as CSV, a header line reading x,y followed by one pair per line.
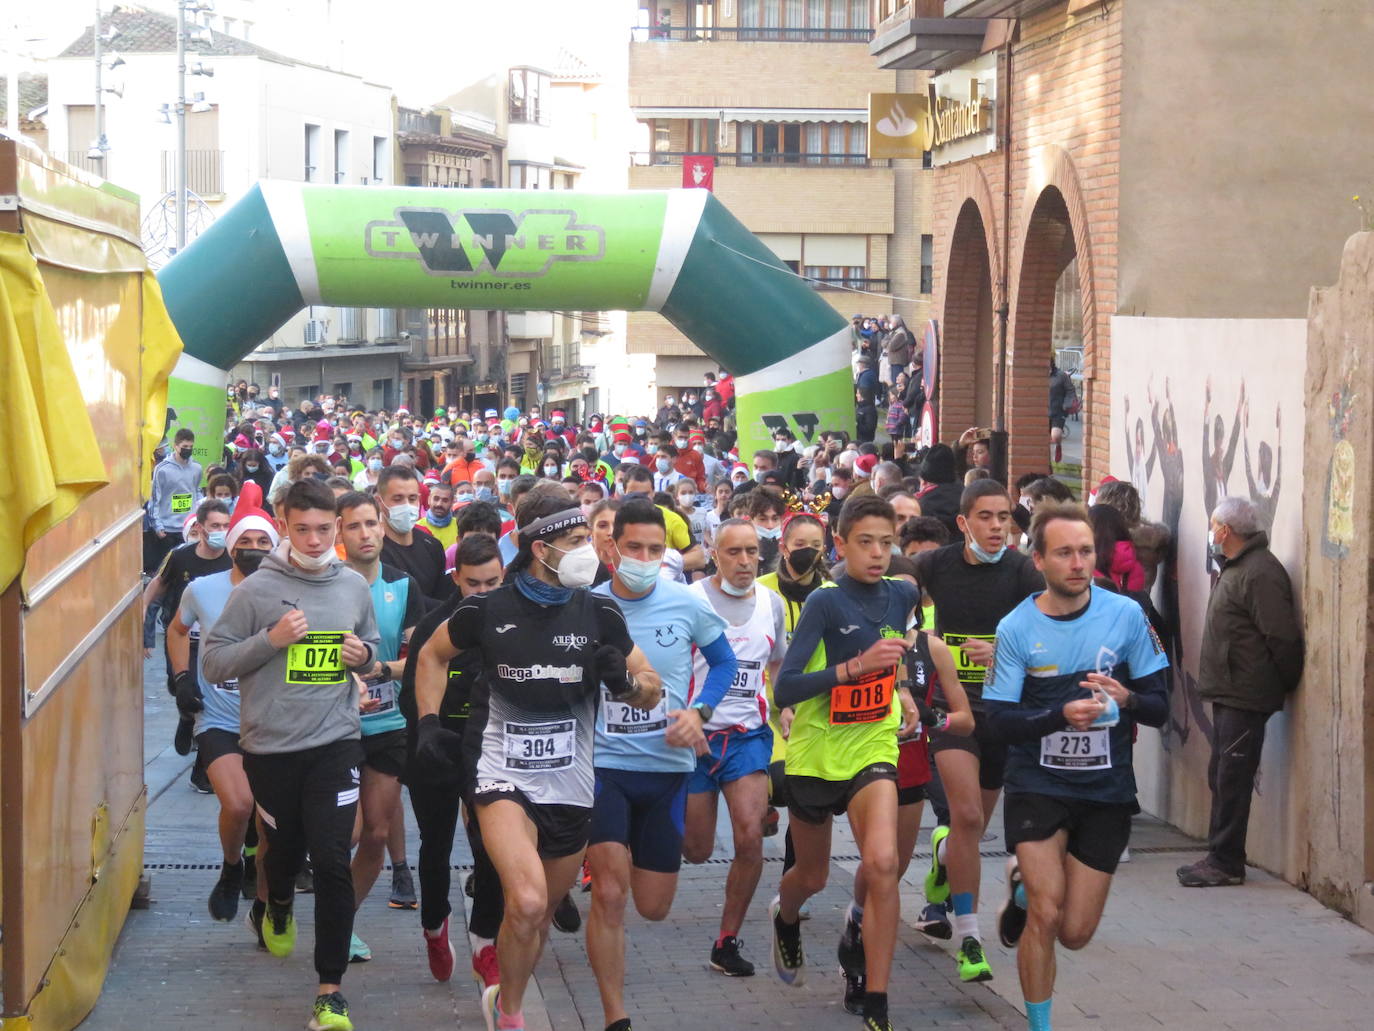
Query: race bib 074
x,y
318,659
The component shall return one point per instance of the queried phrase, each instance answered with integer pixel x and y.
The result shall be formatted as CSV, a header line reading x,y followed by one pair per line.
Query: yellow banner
x,y
898,125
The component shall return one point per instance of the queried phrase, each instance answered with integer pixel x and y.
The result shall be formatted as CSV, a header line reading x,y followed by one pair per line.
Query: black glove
x,y
931,719
610,667
437,748
187,693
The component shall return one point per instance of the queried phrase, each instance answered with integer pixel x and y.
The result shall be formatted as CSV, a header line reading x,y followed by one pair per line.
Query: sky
x,y
424,49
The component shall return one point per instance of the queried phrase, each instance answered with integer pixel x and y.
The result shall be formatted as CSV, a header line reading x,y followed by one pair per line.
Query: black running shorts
x,y
1098,832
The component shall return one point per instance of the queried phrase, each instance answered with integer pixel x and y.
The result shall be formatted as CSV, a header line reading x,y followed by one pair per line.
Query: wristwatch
x,y
705,712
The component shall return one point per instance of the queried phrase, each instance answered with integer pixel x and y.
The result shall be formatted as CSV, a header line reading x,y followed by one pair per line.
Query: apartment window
x,y
809,143
529,177
528,96
379,159
823,276
340,155
927,263
804,20
702,135
312,152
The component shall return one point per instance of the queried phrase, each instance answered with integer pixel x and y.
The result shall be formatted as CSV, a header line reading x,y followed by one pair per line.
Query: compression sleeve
x,y
1009,722
1150,705
794,684
720,658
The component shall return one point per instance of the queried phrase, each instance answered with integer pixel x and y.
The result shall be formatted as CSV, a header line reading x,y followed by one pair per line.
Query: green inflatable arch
x,y
678,252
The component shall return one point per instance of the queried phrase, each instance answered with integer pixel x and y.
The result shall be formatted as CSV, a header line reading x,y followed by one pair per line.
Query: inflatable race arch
x,y
679,252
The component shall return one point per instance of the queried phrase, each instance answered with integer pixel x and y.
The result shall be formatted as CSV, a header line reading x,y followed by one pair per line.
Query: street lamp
x,y
203,37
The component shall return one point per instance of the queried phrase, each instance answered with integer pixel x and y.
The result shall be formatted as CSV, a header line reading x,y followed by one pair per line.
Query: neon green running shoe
x,y
973,965
937,877
279,930
330,1014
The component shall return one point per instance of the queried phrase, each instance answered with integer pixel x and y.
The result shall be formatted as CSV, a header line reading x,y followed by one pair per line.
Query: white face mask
x,y
550,470
578,567
736,592
311,563
402,518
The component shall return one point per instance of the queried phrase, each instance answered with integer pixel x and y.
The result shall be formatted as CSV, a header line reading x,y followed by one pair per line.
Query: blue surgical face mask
x,y
768,533
462,499
503,486
216,538
664,465
637,574
375,464
485,494
985,557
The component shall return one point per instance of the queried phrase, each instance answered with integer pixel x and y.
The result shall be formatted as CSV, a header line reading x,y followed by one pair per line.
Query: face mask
x,y
738,481
311,562
402,518
837,491
503,486
780,445
687,500
215,538
663,465
803,560
551,471
251,467
640,431
1214,549
637,574
397,442
651,448
275,450
759,474
1026,503
986,557
185,452
699,448
578,567
618,450
375,464
768,533
248,559
736,592
681,442
485,494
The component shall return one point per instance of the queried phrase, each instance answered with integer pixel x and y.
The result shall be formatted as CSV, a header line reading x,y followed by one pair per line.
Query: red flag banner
x,y
699,172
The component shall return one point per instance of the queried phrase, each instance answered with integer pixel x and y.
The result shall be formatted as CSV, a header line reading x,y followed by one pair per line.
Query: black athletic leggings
x,y
307,801
436,814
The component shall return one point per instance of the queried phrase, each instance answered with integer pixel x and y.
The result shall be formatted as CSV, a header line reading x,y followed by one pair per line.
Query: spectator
x,y
1116,558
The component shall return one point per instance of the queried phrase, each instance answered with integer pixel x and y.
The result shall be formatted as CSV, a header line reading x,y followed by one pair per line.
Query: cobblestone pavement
x,y
1252,958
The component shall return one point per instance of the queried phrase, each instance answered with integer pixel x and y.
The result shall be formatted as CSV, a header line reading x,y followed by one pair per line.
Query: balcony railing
x,y
203,171
674,157
410,120
755,34
848,282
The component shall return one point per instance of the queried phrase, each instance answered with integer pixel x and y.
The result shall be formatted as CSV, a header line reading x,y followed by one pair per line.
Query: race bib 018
x,y
318,659
866,701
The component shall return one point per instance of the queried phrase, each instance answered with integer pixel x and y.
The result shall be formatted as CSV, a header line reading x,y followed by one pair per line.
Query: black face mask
x,y
185,452
802,560
248,560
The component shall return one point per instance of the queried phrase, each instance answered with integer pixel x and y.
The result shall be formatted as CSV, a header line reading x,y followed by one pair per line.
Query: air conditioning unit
x,y
315,330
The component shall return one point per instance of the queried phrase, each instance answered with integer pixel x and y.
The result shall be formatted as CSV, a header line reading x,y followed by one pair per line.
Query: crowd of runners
x,y
577,639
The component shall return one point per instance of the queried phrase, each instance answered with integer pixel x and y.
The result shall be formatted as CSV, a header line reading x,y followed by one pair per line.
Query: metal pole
x,y
99,142
181,125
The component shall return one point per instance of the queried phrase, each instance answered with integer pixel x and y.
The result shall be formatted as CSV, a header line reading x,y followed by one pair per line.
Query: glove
x,y
187,693
435,747
931,719
610,667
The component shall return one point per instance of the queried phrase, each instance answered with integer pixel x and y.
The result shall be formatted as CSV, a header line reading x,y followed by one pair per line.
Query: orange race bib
x,y
866,701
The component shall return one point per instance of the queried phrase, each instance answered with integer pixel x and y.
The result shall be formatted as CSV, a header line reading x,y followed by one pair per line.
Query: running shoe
x,y
200,780
439,950
184,737
623,1024
358,951
877,1024
770,822
250,877
402,888
330,1014
279,930
851,950
788,959
253,920
305,880
934,921
1011,917
566,916
725,957
937,878
486,968
491,1013
855,987
972,964
224,896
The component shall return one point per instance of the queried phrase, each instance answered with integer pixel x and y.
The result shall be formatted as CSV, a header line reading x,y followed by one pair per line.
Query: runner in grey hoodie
x,y
291,634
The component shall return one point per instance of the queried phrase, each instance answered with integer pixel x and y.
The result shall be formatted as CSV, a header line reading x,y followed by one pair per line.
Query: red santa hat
x,y
323,431
250,495
622,437
863,465
254,518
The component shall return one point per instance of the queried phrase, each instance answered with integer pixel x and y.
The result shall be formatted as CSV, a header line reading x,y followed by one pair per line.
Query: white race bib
x,y
541,747
748,682
1076,750
384,694
622,718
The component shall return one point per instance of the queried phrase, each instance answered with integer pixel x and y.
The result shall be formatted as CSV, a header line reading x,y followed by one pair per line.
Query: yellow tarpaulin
x,y
161,349
54,460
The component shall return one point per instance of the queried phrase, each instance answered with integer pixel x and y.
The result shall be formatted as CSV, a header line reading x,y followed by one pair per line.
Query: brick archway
x,y
1055,232
972,293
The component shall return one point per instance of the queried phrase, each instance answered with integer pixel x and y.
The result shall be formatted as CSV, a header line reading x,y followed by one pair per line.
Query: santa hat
x,y
323,431
621,437
250,496
250,518
863,465
286,433
186,526
557,413
696,438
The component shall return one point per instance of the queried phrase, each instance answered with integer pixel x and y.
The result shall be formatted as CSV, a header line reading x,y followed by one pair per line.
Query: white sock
x,y
478,944
940,849
856,912
966,926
